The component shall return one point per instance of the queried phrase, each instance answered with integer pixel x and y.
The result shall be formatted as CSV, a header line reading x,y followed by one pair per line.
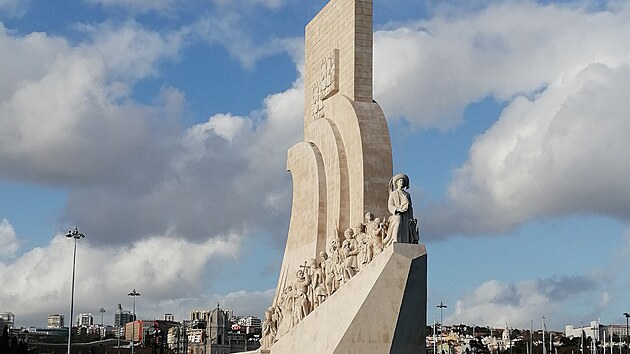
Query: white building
x,y
619,330
6,319
251,323
55,321
85,320
595,330
195,335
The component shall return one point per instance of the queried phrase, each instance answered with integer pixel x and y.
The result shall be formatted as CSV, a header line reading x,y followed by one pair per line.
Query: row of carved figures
x,y
317,280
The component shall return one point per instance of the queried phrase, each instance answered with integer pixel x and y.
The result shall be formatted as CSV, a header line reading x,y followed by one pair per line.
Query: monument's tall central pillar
x,y
367,292
342,168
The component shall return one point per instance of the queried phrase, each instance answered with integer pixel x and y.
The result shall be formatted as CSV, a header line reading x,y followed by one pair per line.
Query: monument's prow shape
x,y
365,293
342,168
379,311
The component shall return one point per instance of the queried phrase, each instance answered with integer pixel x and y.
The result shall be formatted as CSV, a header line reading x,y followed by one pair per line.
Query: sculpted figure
x,y
338,261
276,318
402,225
318,288
302,304
377,229
350,250
269,329
365,242
330,268
286,305
369,217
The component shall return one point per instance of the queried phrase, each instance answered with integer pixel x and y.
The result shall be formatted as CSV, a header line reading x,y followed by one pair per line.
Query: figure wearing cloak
x,y
402,225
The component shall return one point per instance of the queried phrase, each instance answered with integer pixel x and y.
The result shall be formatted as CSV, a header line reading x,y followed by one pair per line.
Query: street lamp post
x,y
582,337
134,293
102,311
441,306
76,235
119,325
627,332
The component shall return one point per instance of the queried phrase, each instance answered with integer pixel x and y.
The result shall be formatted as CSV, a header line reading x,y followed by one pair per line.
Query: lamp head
x,y
134,293
75,233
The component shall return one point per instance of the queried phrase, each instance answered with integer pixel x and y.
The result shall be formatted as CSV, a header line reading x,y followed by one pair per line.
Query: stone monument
x,y
353,277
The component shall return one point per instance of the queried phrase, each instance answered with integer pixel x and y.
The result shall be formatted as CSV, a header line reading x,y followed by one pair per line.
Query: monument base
x,y
382,309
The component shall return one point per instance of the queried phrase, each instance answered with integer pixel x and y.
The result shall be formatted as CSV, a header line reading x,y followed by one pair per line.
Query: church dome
x,y
218,318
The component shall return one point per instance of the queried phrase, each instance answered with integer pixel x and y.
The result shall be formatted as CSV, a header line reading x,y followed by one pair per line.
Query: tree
x,y
14,346
22,348
4,340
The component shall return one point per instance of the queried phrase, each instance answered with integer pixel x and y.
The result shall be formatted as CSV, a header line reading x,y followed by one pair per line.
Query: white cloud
x,y
68,118
140,5
558,147
495,303
429,71
169,7
222,175
232,30
130,52
242,302
224,125
65,107
271,4
38,282
14,8
9,243
564,152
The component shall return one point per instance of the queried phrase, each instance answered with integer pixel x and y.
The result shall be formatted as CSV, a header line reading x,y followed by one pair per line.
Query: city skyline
x,y
160,129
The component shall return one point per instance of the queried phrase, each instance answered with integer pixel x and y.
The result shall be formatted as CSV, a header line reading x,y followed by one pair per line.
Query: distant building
x,y
143,328
45,335
218,336
196,335
134,330
120,319
177,338
595,330
107,331
199,316
7,319
169,317
123,317
55,321
250,324
620,330
85,320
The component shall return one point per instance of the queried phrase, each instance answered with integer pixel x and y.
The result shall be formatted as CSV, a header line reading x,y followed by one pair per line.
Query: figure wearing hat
x,y
402,226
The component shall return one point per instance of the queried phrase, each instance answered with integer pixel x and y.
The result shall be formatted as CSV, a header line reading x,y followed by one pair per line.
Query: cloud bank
x,y
8,240
495,303
135,173
38,281
137,178
558,147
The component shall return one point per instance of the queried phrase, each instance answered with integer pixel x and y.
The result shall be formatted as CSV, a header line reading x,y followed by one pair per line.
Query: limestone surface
x,y
341,288
381,310
342,169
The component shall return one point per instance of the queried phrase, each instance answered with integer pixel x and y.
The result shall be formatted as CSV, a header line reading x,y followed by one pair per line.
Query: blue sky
x,y
161,127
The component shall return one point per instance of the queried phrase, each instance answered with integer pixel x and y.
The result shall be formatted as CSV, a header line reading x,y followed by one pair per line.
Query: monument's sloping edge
x,y
367,312
411,325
